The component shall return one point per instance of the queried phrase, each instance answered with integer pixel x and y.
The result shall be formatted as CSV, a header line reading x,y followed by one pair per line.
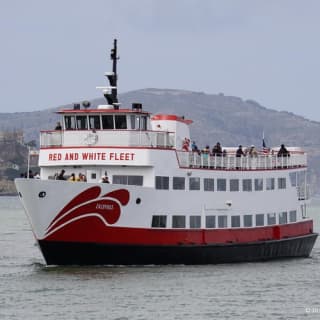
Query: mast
x,y
112,97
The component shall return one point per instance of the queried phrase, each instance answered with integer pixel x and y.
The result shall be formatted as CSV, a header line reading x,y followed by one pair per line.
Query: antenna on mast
x,y
112,94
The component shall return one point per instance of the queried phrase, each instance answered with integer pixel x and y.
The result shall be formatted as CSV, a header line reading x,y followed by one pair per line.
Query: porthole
x,y
138,201
42,194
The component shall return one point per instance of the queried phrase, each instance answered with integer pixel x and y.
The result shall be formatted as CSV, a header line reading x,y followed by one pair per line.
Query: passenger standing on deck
x,y
72,177
239,152
283,152
217,150
252,151
61,175
58,126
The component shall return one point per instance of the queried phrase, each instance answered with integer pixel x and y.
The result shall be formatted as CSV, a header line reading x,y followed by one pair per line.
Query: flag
x,y
264,146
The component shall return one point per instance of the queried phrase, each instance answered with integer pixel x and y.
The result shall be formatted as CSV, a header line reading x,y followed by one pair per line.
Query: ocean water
x,y
286,289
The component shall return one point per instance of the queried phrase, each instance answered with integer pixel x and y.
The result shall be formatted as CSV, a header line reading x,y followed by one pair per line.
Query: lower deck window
x,y
194,183
210,221
178,221
234,184
159,221
259,219
258,184
235,221
283,218
208,184
247,185
162,183
293,216
247,220
195,222
222,221
178,183
271,217
129,180
281,183
270,184
221,184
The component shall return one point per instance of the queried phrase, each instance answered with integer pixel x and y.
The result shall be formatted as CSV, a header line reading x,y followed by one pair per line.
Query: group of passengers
x,y
30,175
249,151
61,176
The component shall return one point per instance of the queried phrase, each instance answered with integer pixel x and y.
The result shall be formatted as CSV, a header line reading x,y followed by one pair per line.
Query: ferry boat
x,y
165,203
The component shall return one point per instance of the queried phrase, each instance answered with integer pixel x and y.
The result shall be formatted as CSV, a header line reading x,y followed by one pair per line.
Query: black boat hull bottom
x,y
70,253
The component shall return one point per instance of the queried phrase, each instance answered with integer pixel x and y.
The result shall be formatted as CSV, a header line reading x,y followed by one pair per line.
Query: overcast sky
x,y
56,52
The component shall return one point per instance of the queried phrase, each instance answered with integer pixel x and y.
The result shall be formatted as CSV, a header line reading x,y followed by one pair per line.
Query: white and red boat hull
x,y
89,224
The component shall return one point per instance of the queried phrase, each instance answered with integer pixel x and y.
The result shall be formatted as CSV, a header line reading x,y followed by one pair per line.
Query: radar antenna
x,y
112,96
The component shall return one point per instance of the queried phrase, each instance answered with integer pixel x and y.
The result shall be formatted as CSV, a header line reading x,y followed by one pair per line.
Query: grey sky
x,y
56,52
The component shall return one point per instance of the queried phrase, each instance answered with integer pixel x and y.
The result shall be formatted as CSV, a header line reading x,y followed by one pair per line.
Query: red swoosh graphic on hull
x,y
122,195
106,206
87,195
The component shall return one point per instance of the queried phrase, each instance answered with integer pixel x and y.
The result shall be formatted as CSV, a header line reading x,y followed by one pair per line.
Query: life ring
x,y
91,139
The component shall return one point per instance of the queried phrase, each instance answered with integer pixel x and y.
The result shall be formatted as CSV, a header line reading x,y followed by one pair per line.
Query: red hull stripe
x,y
92,230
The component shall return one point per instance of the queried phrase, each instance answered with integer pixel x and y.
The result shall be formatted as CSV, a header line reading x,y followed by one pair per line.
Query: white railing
x,y
84,138
231,162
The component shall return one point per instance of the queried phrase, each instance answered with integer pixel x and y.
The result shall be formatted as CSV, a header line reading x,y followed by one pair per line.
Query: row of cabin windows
x,y
127,180
85,122
179,183
221,221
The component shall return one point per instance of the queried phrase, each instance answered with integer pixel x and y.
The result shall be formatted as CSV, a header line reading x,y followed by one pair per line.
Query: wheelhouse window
x,y
208,184
246,185
138,122
283,218
235,221
107,122
259,219
293,216
178,183
162,183
271,217
194,183
270,184
120,121
281,183
222,221
82,123
178,221
258,184
94,122
221,184
70,122
210,222
234,184
159,221
247,220
195,222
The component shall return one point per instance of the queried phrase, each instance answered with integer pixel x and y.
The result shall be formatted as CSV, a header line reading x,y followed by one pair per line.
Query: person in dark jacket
x,y
239,152
61,175
217,150
283,152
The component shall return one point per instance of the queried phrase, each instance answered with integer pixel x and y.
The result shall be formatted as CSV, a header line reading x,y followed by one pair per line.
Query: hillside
x,y
227,119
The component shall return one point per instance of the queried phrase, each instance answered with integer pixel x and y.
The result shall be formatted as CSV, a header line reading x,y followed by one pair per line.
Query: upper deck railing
x,y
122,138
231,162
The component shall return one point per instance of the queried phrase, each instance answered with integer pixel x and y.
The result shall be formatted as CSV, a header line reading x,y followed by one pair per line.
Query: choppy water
x,y
288,289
